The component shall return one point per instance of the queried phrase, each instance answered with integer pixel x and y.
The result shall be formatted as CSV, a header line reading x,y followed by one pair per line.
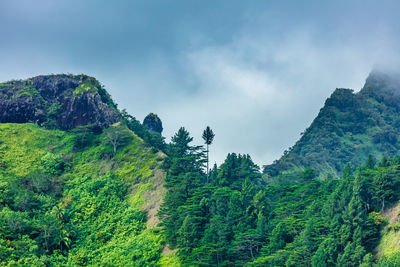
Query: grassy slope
x,y
389,245
106,228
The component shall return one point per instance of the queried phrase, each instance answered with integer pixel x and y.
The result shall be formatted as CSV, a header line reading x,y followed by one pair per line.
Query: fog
x,y
257,73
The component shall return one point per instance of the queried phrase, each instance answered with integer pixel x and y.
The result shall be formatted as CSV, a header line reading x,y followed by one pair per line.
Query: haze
x,y
256,72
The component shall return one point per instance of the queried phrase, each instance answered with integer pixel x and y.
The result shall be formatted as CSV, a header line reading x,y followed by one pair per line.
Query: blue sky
x,y
257,72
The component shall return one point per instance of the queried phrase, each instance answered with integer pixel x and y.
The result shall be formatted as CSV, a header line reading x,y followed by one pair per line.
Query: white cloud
x,y
259,94
256,73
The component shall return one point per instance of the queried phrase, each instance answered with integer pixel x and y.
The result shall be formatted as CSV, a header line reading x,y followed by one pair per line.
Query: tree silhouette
x,y
208,137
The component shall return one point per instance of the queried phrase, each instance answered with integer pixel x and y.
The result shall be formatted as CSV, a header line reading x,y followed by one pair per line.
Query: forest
x,y
235,218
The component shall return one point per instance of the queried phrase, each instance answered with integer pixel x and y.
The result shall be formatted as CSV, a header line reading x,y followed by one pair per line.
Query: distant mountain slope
x,y
348,128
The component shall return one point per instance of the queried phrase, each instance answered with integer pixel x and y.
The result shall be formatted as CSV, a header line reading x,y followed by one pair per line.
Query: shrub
x,y
52,164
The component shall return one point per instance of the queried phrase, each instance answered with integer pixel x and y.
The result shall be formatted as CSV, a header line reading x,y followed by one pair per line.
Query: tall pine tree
x,y
208,137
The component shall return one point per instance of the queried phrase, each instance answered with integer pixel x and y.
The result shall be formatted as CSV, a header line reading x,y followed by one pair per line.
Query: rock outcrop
x,y
61,101
153,123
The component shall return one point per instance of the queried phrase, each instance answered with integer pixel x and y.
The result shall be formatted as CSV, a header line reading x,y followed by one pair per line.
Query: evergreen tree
x,y
383,188
208,137
370,162
179,146
184,177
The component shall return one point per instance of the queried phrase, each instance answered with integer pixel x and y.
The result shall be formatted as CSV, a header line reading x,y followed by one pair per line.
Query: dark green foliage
x,y
86,136
208,137
184,176
223,222
26,219
53,111
370,162
236,219
383,187
52,164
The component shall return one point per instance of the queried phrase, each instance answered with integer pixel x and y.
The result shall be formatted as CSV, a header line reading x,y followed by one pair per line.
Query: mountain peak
x,y
347,129
382,82
57,101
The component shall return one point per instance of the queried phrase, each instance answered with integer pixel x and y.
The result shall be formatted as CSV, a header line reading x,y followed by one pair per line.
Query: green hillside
x,y
66,199
348,128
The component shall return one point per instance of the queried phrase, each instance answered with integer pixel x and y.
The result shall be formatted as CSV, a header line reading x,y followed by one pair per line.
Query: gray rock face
x,y
52,87
153,123
86,109
62,101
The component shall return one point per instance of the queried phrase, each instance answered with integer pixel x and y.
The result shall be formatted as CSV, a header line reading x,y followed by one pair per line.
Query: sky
x,y
256,72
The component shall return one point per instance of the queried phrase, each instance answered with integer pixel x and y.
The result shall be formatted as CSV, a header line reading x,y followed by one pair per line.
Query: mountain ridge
x,y
348,128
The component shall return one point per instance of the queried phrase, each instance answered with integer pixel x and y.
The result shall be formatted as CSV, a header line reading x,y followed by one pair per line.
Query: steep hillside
x,y
80,181
348,128
67,198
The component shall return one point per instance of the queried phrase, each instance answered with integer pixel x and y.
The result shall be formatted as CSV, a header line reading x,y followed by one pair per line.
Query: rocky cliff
x,y
57,101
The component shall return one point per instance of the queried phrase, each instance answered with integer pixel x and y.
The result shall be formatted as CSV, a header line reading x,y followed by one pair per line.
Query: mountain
x,y
348,128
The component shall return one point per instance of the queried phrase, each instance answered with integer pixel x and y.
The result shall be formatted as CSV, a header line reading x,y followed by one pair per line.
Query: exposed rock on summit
x,y
61,101
153,123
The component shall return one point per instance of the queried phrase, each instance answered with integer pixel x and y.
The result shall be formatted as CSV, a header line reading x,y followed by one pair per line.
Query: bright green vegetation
x,y
389,245
348,128
85,87
20,89
238,219
64,199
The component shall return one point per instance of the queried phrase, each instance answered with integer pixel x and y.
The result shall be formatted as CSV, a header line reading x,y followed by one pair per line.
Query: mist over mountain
x,y
348,128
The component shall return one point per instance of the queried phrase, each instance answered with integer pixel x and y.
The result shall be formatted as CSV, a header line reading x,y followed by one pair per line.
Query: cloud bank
x,y
257,73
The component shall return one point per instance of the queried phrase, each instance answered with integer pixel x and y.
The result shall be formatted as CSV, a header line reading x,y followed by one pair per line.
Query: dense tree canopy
x,y
239,218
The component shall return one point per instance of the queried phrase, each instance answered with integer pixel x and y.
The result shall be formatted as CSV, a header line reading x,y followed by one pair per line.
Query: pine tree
x,y
184,177
179,146
370,162
383,188
208,137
